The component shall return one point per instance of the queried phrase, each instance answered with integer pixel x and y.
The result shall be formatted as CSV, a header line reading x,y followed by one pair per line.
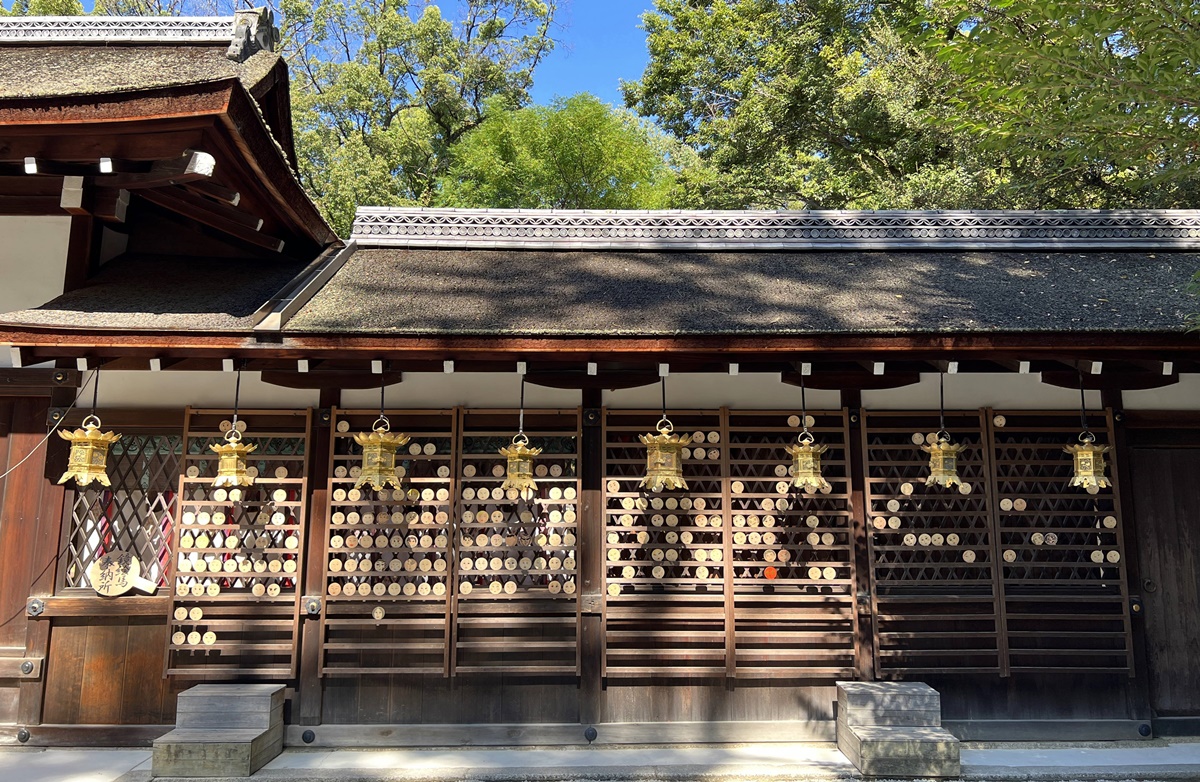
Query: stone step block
x,y
192,752
911,704
230,706
887,751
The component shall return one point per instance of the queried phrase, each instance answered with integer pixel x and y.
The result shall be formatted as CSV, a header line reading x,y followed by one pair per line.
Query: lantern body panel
x,y
89,455
943,464
379,458
1089,465
231,467
519,471
664,462
806,466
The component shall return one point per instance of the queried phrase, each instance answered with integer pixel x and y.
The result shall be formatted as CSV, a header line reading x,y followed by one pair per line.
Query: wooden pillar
x,y
591,553
864,626
309,689
1139,686
30,527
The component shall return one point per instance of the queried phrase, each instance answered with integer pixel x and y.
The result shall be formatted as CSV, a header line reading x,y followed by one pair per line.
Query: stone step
x,y
889,751
194,752
230,706
911,704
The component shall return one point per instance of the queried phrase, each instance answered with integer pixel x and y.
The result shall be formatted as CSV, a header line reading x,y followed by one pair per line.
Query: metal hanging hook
x,y
233,435
805,436
94,419
664,425
1086,435
942,435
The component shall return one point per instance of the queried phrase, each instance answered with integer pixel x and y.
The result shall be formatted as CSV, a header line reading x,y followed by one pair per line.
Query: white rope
x,y
54,428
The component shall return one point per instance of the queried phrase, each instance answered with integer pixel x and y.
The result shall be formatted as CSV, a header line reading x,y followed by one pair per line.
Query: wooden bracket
x,y
21,667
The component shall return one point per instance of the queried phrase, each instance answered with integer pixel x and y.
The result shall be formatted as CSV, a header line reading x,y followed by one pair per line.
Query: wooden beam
x,y
852,381
191,166
223,223
110,205
218,192
74,199
577,379
193,204
29,206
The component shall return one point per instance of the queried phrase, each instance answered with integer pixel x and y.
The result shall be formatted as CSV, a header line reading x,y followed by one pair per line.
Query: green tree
x,y
1107,89
382,89
578,153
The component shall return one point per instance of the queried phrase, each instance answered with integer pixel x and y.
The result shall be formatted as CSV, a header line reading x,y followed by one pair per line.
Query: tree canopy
x,y
382,89
576,153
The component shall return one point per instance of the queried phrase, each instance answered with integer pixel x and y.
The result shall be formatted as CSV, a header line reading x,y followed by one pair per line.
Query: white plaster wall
x,y
1184,395
198,389
705,392
33,260
1007,391
435,390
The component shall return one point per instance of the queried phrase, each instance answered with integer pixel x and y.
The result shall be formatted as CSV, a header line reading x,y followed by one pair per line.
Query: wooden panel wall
x,y
1167,502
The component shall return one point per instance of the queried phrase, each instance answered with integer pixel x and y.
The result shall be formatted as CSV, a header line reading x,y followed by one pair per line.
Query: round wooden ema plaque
x,y
116,573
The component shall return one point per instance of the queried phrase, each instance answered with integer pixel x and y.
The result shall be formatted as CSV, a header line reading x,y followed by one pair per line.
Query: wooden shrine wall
x,y
449,601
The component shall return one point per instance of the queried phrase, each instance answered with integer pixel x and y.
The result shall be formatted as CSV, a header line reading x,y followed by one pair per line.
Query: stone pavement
x,y
1150,760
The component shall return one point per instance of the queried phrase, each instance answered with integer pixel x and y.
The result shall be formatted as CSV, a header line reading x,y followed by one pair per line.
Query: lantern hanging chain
x,y
1086,435
664,424
805,436
233,435
521,414
382,424
54,428
93,418
942,435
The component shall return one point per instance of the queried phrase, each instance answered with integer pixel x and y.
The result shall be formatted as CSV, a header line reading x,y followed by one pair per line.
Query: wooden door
x,y
1167,504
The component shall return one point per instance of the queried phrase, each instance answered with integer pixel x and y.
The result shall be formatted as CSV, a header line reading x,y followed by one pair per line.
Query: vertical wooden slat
x,y
727,552
989,458
104,669
864,633
451,634
142,694
591,558
320,455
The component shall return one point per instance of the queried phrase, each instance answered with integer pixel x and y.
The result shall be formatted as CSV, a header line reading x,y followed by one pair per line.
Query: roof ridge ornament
x,y
1047,230
247,31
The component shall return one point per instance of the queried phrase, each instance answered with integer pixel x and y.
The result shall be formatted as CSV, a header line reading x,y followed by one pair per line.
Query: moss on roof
x,y
85,69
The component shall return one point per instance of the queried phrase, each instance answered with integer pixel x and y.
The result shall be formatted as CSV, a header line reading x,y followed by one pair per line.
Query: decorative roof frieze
x,y
777,230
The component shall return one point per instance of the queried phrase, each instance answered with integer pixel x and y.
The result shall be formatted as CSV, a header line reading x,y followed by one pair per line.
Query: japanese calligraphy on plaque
x,y
116,573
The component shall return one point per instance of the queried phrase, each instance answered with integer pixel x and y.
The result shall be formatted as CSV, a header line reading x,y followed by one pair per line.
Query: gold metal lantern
x,y
89,453
806,463
1089,462
379,455
519,472
231,469
664,458
943,462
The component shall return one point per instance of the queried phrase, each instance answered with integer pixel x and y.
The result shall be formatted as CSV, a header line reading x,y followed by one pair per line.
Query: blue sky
x,y
600,43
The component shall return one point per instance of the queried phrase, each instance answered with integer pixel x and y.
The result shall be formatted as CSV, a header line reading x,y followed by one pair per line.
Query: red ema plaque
x,y
770,573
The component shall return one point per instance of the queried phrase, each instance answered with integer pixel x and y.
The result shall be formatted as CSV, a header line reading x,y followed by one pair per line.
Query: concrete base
x,y
885,751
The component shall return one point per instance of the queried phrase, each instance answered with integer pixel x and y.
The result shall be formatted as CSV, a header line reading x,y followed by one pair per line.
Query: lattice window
x,y
134,514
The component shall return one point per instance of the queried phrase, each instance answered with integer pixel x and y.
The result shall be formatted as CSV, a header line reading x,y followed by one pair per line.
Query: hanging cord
x,y
57,424
382,424
664,424
1086,435
805,436
943,436
521,415
233,435
92,418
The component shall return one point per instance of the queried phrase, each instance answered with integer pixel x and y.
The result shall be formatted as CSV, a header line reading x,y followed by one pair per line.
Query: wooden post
x,y
864,627
309,689
1139,686
591,561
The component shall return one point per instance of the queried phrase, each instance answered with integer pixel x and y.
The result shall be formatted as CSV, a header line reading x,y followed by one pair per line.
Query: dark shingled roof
x,y
164,294
59,71
515,292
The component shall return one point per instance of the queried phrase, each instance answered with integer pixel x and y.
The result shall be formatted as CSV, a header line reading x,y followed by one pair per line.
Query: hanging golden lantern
x,y
806,463
664,458
519,473
1089,462
943,462
379,455
89,453
231,469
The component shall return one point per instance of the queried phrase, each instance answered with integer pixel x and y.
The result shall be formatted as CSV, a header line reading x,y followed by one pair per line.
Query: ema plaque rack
x,y
934,589
238,551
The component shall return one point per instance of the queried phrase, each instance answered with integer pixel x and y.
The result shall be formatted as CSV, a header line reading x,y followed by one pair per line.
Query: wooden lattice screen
x,y
389,554
741,575
934,586
134,514
235,601
451,573
1065,600
793,562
